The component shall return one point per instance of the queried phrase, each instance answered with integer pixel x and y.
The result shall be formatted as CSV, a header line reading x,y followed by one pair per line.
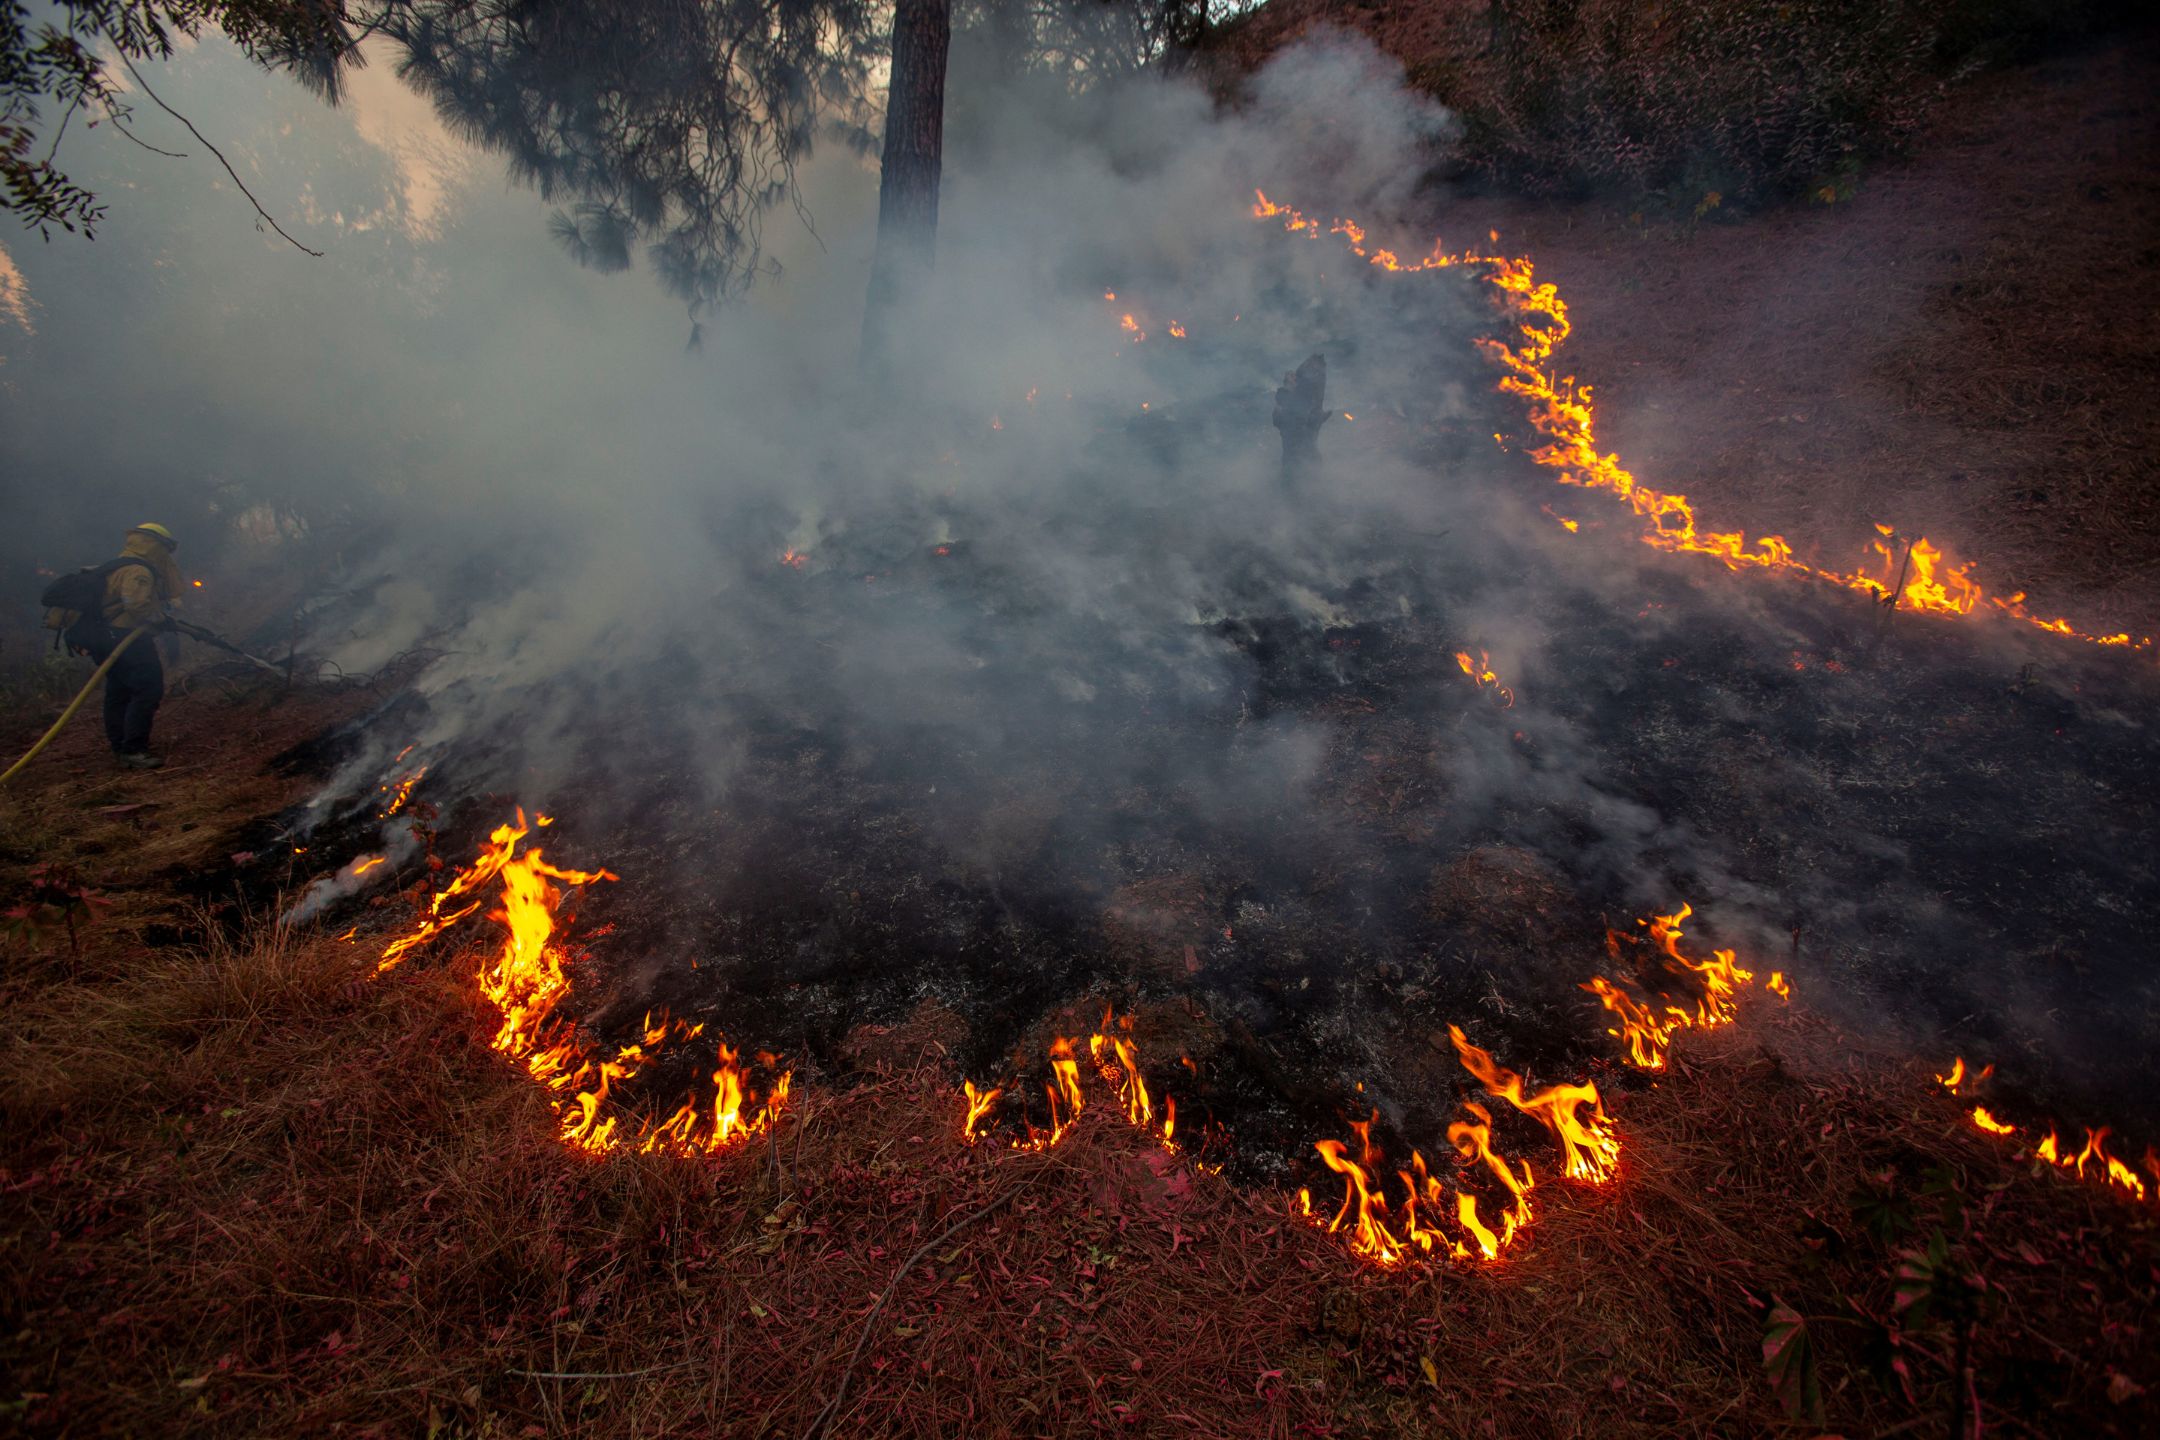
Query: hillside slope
x,y
1957,347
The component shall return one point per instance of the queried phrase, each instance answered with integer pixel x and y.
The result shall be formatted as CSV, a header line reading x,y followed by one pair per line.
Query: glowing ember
x,y
402,791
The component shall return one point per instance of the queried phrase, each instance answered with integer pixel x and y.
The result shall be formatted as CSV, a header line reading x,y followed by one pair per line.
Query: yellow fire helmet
x,y
149,527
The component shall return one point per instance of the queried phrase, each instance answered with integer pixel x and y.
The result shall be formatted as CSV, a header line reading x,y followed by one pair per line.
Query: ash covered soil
x,y
1297,842
1297,849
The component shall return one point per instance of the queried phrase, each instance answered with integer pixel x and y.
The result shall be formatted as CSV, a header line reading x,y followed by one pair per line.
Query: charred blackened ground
x,y
1144,724
1297,841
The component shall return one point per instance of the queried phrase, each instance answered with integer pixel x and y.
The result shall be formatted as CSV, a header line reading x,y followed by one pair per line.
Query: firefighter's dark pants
x,y
133,687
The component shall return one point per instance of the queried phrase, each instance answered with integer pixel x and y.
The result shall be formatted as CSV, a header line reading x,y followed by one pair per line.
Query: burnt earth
x,y
1933,825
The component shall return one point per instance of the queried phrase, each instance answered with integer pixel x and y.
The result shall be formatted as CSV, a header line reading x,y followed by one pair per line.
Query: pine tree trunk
x,y
914,161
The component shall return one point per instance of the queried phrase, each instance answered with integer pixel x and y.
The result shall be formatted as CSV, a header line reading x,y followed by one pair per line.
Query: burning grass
x,y
1906,571
251,1190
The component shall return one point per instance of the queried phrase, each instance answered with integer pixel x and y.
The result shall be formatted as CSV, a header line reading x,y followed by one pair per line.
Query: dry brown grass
x,y
250,1191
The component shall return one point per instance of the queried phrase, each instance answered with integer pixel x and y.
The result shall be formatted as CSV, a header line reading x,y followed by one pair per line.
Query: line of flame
x,y
1564,416
1117,1060
1573,1113
525,983
2105,1169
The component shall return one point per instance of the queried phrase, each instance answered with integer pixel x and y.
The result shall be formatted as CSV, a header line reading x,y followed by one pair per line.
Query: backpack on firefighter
x,y
81,595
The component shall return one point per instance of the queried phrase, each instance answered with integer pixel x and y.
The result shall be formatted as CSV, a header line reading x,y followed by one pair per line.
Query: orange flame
x,y
525,983
2093,1162
1646,1035
1474,1143
1375,1232
1369,1232
2106,1167
1466,1212
1590,1149
1720,975
1481,674
1125,1073
978,1103
1116,1058
1779,986
1067,1072
1563,415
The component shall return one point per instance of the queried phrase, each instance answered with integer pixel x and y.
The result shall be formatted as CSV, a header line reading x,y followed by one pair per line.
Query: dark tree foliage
x,y
676,126
55,63
668,125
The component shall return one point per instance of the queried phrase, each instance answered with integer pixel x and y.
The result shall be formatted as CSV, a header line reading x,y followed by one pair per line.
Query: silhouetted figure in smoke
x,y
96,609
1300,411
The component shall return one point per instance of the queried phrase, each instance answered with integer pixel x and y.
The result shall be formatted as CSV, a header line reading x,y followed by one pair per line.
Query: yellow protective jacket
x,y
135,595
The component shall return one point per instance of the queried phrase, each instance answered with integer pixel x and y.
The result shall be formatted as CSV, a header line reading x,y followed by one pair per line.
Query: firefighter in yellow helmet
x,y
140,586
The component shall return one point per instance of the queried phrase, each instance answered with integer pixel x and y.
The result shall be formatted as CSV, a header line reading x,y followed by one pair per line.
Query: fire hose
x,y
96,676
181,626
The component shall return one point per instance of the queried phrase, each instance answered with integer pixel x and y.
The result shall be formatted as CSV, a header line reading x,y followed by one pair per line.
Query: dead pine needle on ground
x,y
251,1190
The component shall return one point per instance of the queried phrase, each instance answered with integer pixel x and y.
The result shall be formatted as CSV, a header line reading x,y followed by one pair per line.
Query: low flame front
x,y
2092,1162
1573,1114
525,983
1116,1059
1647,1028
1389,1234
1906,572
